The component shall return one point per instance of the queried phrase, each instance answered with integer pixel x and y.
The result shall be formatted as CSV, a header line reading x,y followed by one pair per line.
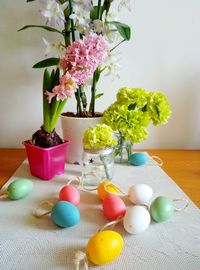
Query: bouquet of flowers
x,y
90,33
132,112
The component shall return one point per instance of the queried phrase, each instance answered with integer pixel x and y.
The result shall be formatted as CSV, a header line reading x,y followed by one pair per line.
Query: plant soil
x,y
45,139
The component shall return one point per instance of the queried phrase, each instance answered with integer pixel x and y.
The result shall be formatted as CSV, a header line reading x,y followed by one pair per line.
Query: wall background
x,y
163,55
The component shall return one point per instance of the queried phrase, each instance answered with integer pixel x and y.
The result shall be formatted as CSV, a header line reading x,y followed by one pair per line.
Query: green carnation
x,y
137,97
98,137
158,108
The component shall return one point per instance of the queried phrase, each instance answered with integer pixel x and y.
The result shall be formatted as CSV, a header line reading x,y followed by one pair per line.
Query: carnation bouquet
x,y
132,112
88,34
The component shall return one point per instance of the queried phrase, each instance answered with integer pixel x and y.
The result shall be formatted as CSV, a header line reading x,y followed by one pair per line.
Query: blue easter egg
x,y
139,158
65,214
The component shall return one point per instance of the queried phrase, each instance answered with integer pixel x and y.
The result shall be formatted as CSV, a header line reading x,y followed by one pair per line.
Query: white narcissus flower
x,y
112,64
53,11
125,3
54,49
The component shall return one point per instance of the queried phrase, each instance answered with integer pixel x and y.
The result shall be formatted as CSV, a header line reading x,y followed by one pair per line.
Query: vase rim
x,y
106,150
78,118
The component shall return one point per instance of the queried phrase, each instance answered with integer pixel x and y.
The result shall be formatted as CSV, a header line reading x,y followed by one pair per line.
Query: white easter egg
x,y
136,219
140,193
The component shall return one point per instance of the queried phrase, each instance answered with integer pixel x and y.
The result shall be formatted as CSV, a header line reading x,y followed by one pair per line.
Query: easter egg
x,y
65,214
70,194
140,193
19,189
139,158
102,192
104,247
136,219
113,207
161,209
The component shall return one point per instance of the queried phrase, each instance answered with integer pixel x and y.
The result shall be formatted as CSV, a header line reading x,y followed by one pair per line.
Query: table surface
x,y
183,166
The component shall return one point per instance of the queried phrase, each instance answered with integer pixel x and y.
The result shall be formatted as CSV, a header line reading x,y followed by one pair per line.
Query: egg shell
x,y
102,192
70,194
136,219
19,188
104,247
138,159
65,214
161,209
140,193
113,207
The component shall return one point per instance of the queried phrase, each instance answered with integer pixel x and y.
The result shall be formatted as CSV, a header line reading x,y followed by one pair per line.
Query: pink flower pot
x,y
45,163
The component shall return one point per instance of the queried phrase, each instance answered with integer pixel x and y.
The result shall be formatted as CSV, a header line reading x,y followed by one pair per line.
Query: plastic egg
x,y
161,209
102,191
104,247
70,194
65,214
136,219
113,207
140,193
19,189
139,158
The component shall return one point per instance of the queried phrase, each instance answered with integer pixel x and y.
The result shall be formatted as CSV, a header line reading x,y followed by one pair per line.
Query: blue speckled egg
x,y
139,158
65,214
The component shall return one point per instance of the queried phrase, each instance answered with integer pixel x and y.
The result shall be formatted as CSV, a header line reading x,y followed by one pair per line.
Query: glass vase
x,y
123,148
97,166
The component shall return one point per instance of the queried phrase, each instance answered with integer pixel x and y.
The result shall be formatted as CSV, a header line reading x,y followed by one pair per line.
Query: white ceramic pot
x,y
73,129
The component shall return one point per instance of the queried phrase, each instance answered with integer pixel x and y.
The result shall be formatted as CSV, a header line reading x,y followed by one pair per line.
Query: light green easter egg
x,y
161,209
19,188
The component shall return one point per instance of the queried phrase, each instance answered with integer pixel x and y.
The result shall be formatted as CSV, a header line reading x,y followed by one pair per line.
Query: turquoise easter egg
x,y
19,189
139,158
161,209
65,214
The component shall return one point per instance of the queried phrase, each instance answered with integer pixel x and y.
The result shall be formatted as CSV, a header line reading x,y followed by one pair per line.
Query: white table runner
x,y
28,243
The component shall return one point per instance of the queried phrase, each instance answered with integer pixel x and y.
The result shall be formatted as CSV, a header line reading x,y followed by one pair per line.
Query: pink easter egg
x,y
113,207
70,194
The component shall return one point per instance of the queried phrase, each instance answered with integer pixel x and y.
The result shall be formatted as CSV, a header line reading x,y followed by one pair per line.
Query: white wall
x,y
163,55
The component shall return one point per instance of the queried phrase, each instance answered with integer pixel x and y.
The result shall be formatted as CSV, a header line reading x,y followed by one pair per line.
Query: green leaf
x,y
93,13
131,106
46,105
48,28
123,29
99,95
47,63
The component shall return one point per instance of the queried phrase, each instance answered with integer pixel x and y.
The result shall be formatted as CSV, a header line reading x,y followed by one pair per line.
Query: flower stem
x,y
105,167
72,22
117,45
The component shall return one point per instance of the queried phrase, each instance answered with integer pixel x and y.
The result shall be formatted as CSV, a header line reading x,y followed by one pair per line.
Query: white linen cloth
x,y
29,243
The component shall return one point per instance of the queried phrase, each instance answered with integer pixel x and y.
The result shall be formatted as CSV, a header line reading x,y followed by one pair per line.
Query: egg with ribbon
x,y
104,247
136,219
140,193
105,188
65,214
69,193
138,158
19,188
113,207
161,209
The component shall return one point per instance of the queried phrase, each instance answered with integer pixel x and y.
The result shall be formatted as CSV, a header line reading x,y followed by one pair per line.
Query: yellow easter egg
x,y
102,192
104,247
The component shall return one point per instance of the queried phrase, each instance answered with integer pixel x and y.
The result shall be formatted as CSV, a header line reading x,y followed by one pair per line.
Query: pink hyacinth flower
x,y
65,89
82,57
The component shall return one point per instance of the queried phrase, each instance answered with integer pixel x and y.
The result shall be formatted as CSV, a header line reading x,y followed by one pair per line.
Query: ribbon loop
x,y
179,209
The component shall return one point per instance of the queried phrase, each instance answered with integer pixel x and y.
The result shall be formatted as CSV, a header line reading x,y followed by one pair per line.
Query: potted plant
x,y
130,115
98,156
74,21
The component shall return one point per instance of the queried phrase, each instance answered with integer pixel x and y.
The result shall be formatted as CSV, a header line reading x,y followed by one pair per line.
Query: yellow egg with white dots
x,y
105,188
104,247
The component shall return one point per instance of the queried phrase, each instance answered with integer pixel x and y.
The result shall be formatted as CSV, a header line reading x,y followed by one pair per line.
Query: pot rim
x,y
25,143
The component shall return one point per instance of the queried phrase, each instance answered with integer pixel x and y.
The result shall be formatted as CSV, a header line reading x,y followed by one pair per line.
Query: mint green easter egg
x,y
19,188
161,209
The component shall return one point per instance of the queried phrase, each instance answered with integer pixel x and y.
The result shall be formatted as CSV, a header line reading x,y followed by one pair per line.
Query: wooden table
x,y
183,166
